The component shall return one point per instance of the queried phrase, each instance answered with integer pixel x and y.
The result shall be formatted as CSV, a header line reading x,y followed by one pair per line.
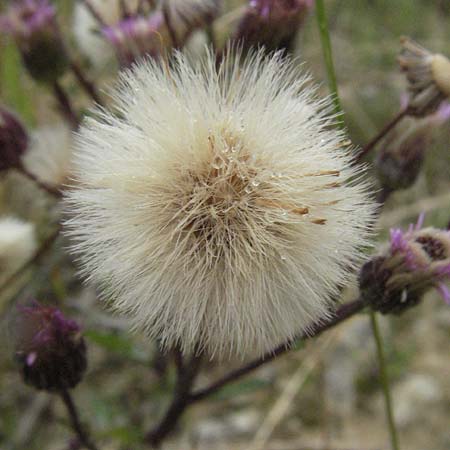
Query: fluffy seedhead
x,y
17,245
215,206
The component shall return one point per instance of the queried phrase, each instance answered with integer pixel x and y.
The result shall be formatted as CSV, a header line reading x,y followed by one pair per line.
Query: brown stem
x,y
343,313
186,374
85,83
170,29
388,127
75,421
65,104
44,186
94,12
36,257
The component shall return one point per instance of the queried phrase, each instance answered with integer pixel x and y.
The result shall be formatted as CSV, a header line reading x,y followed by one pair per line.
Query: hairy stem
x,y
328,57
186,374
343,313
384,381
75,421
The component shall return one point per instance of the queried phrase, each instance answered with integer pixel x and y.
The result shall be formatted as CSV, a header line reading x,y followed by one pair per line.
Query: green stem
x,y
384,381
328,57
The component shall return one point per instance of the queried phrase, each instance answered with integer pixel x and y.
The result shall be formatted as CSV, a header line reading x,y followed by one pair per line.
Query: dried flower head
x,y
13,140
215,206
272,23
49,348
428,76
415,261
32,23
50,154
17,245
403,150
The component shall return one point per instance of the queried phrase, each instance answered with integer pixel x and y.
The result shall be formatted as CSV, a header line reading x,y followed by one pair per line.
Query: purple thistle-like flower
x,y
272,23
13,140
49,347
416,260
33,26
136,36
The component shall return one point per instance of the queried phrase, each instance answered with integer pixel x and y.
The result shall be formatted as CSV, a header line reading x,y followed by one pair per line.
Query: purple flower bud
x,y
32,24
403,151
49,348
272,23
135,36
414,262
13,140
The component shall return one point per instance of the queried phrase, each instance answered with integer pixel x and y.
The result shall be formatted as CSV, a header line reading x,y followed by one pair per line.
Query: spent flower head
x,y
403,151
13,140
272,23
49,348
415,261
33,25
217,206
428,76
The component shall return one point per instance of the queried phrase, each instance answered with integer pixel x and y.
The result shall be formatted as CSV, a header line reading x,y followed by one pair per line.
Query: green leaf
x,y
11,86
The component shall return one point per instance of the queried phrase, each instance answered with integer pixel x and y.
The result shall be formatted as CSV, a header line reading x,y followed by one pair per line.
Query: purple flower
x,y
33,25
13,140
416,260
135,36
272,23
49,347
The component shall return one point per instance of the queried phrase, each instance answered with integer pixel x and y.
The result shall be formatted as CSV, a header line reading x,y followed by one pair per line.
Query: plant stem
x,y
75,420
185,378
343,313
385,130
44,186
94,12
65,104
85,83
384,381
328,57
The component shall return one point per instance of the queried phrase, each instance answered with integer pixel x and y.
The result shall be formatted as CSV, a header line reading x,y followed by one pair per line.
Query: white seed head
x,y
50,154
215,206
17,245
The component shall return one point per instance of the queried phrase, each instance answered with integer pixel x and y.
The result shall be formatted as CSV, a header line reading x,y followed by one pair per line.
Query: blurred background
x,y
326,395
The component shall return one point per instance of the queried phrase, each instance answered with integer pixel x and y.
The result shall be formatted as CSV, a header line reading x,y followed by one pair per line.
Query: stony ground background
x,y
326,394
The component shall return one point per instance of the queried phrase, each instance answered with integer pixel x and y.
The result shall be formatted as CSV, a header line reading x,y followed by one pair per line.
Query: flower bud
x,y
414,262
428,76
402,154
49,348
272,23
136,36
13,140
32,24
